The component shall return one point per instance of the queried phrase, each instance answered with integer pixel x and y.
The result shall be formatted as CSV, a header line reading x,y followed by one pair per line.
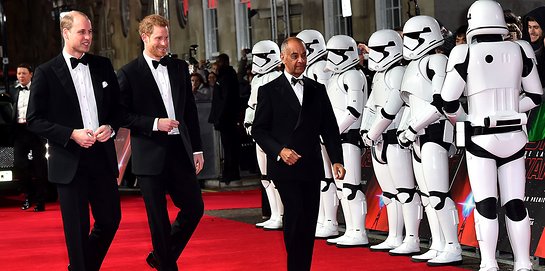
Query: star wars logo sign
x,y
535,167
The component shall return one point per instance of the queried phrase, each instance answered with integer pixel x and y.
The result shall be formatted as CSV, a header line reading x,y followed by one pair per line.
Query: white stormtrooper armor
x,y
265,61
501,82
392,163
327,225
347,91
431,137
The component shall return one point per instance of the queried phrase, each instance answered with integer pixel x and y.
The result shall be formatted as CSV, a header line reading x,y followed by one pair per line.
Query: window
x,y
210,27
388,14
243,27
335,24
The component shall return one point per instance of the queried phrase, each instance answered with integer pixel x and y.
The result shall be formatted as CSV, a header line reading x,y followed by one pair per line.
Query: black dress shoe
x,y
152,261
26,204
40,207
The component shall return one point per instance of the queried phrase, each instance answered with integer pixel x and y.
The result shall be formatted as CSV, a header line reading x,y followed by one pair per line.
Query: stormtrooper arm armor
x,y
431,112
455,82
369,113
252,102
353,83
531,84
394,104
249,119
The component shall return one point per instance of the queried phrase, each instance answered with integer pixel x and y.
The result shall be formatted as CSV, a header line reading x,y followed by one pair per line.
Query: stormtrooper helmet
x,y
385,49
421,34
342,53
315,43
485,17
265,56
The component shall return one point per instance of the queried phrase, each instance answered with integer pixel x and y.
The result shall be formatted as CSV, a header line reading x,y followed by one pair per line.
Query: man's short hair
x,y
147,24
26,66
68,19
286,41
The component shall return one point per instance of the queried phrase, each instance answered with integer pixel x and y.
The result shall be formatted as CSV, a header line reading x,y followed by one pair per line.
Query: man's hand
x,y
338,171
103,133
166,125
84,137
289,156
198,159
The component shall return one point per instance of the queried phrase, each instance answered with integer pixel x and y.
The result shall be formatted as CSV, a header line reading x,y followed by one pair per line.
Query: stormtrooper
x,y
347,90
265,61
391,163
431,137
500,80
327,225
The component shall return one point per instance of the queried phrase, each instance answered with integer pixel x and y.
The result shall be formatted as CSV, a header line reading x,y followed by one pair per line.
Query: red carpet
x,y
34,241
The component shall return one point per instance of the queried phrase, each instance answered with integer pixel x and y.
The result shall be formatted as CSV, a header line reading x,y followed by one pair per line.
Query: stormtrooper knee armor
x,y
498,93
347,91
265,61
327,225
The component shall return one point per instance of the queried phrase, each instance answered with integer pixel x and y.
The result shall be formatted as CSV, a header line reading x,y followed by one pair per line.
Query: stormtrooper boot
x,y
346,213
330,202
395,227
487,236
451,254
519,237
437,239
412,214
356,236
276,224
271,197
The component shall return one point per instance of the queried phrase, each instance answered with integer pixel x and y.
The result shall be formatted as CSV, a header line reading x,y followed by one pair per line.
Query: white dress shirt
x,y
163,82
297,88
81,76
22,102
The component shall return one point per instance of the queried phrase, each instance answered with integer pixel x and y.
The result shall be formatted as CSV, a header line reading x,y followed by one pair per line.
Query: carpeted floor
x,y
34,241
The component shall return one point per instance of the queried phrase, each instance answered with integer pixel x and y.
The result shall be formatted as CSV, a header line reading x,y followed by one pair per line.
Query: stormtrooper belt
x,y
479,130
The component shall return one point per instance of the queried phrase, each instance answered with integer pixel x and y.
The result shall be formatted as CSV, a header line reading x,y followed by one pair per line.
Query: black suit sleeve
x,y
140,123
329,129
261,128
37,111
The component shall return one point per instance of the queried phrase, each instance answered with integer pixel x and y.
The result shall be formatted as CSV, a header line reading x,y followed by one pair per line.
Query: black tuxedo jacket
x,y
54,112
141,99
280,121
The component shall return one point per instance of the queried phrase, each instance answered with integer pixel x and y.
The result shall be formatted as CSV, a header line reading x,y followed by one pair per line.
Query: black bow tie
x,y
294,81
163,62
75,61
23,87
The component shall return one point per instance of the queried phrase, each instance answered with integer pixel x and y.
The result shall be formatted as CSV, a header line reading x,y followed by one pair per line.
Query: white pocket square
x,y
104,84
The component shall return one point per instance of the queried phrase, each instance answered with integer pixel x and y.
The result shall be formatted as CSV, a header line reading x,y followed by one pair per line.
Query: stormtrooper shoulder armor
x,y
528,50
353,80
437,63
457,57
394,76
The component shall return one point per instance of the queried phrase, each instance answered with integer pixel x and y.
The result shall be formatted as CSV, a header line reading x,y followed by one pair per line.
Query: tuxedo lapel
x,y
148,82
65,78
97,84
174,77
289,95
